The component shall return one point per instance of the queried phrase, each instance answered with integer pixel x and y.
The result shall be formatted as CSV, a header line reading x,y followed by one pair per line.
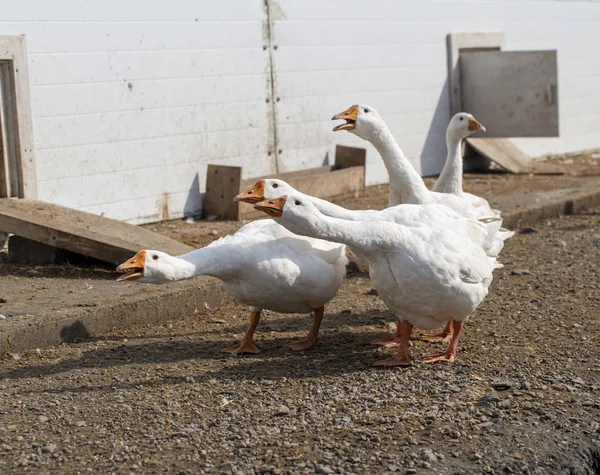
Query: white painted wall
x,y
391,54
131,99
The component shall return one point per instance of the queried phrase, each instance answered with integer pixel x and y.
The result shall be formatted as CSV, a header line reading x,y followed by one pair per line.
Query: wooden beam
x,y
222,184
507,155
346,156
84,233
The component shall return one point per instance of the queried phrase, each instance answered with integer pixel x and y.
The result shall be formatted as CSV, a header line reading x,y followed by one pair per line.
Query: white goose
x,y
489,235
426,276
450,180
406,185
262,265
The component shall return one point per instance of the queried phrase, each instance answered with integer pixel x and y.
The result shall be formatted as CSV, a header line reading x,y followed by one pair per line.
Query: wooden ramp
x,y
507,155
84,233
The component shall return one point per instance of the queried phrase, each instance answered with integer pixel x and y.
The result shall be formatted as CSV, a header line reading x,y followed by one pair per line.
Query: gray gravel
x,y
523,396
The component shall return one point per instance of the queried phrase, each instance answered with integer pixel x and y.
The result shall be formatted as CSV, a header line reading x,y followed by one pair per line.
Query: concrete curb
x,y
551,205
170,302
178,300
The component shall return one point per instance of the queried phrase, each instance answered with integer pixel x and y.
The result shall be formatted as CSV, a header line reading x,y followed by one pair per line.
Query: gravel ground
x,y
523,396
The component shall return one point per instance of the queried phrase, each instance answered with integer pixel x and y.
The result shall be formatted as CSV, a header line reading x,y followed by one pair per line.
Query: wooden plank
x,y
222,184
346,156
88,234
288,176
321,185
506,154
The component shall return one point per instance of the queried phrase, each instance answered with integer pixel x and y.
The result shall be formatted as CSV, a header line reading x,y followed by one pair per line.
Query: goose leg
x,y
247,344
445,336
313,334
448,356
392,341
403,357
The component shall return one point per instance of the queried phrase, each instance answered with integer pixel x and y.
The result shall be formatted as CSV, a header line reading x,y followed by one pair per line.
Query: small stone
x,y
519,272
80,424
2,317
483,425
410,471
502,385
429,456
517,455
392,468
477,456
190,379
217,321
528,230
282,411
214,232
562,243
42,419
325,470
578,382
431,416
49,449
346,312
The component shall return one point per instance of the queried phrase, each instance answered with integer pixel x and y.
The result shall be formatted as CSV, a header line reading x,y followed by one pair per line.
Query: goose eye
x,y
298,203
461,118
275,185
154,257
366,110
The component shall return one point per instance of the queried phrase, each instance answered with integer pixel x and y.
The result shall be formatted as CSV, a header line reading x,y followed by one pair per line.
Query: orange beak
x,y
272,207
254,194
475,125
349,115
133,269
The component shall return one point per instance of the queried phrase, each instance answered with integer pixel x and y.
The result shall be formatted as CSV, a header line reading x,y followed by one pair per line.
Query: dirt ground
x,y
523,396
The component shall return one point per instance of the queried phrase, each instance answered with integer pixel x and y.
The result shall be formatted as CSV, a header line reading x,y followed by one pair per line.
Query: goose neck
x,y
403,175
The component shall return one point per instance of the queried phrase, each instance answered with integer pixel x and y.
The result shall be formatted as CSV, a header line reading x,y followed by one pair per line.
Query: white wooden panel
x,y
245,118
129,11
139,65
123,184
100,37
148,93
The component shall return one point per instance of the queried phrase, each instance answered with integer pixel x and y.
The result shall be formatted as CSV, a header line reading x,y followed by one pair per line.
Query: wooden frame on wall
x,y
17,159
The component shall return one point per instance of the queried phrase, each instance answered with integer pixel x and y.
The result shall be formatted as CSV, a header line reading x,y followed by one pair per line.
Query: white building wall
x,y
132,99
392,55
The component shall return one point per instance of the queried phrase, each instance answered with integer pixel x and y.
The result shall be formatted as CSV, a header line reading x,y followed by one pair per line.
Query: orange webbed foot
x,y
446,357
390,342
396,360
436,337
302,344
242,347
